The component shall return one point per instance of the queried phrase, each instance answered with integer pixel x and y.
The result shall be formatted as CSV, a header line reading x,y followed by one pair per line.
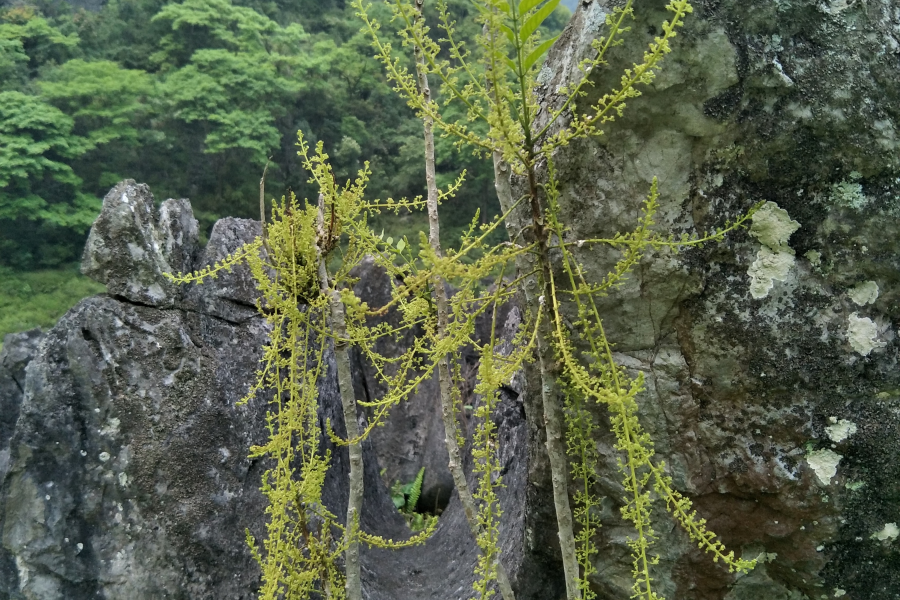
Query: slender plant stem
x,y
348,402
439,295
535,299
262,206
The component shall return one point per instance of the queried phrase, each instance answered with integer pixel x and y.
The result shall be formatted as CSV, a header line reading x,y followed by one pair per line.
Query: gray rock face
x,y
406,443
771,359
18,350
132,244
232,295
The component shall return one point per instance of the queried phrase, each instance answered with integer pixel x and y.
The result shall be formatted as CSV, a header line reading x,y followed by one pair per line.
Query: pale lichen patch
x,y
111,428
838,6
768,267
824,464
840,430
862,334
864,293
772,226
849,193
888,533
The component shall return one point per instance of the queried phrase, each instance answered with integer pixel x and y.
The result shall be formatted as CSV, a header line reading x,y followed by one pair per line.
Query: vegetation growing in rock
x,y
495,88
500,108
310,307
405,497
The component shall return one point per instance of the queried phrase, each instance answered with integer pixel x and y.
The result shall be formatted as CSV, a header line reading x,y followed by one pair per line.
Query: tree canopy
x,y
194,98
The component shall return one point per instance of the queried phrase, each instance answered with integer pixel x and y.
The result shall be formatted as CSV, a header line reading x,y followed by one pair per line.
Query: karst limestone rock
x,y
124,456
132,244
752,349
773,392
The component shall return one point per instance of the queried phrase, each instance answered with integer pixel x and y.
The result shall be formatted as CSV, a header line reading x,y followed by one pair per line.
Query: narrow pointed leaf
x,y
538,52
526,5
504,6
512,65
535,20
509,34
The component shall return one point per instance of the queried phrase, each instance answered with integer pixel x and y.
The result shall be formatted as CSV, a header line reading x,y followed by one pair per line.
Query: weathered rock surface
x,y
18,350
127,471
771,359
406,442
132,244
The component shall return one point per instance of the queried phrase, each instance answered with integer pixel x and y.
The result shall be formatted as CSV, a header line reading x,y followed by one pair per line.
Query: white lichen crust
x,y
862,334
864,293
772,226
840,430
824,464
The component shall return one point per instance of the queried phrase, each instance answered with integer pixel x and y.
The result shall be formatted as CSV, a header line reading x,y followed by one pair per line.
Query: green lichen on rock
x,y
768,267
864,293
839,431
814,257
887,534
772,226
849,193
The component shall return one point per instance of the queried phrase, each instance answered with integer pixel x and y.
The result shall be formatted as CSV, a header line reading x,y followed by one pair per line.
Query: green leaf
x,y
401,244
389,241
398,496
512,65
526,5
415,491
538,52
535,20
509,34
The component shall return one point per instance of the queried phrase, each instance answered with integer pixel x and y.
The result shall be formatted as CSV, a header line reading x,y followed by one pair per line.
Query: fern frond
x,y
415,490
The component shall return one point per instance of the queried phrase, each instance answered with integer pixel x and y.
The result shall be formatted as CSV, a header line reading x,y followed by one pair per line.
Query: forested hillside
x,y
192,98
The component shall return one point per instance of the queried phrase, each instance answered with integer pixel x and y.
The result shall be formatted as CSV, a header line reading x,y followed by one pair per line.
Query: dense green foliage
x,y
193,98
